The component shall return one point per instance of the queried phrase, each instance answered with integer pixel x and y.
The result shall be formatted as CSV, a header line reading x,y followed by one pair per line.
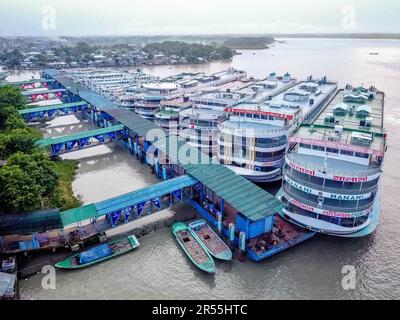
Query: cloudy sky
x,y
134,17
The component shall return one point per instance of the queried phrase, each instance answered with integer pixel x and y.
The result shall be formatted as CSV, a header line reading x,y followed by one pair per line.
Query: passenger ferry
x,y
199,124
333,166
254,137
147,102
168,115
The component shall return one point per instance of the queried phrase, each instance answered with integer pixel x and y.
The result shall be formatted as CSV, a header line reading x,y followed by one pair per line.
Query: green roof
x,y
129,199
78,214
80,135
145,194
30,92
52,107
18,83
246,197
132,121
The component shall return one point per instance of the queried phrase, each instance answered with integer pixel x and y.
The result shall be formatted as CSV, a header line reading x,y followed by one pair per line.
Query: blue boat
x,y
210,240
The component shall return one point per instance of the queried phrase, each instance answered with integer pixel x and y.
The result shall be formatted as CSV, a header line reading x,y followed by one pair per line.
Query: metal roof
x,y
78,214
133,121
145,194
30,92
22,223
7,284
246,197
53,107
129,199
32,81
80,135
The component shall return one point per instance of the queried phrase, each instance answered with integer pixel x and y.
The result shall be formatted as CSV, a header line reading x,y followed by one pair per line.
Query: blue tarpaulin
x,y
95,253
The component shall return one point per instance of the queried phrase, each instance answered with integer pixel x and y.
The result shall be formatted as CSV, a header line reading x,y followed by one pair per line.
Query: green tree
x,y
10,96
39,167
18,192
20,140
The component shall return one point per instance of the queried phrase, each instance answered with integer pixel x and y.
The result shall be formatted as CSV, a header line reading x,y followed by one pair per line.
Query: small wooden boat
x,y
211,241
193,248
99,253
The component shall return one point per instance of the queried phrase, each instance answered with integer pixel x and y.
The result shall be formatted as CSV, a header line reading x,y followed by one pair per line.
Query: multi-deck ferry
x,y
147,102
333,166
168,115
254,137
199,124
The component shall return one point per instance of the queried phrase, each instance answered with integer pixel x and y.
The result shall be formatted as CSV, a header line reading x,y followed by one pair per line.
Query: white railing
x,y
336,172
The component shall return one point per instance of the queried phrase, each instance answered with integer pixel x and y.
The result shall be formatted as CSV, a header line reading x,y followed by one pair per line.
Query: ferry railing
x,y
314,204
318,187
257,145
250,131
320,168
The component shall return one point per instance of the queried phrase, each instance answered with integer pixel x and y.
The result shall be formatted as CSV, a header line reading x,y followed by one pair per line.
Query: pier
x,y
47,112
229,202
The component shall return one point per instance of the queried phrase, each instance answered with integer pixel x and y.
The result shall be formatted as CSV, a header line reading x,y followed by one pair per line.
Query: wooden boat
x,y
211,241
193,248
99,253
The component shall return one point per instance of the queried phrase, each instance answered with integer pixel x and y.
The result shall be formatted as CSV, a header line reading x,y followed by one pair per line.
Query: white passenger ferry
x,y
254,137
333,166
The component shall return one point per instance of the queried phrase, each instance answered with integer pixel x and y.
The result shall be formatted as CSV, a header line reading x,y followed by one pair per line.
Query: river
x,y
312,270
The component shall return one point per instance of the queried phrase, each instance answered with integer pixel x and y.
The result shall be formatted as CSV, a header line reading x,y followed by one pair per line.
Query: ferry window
x,y
332,150
347,153
271,118
249,115
304,145
362,155
318,148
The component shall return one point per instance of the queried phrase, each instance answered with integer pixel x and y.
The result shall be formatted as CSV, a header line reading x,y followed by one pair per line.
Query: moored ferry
x,y
333,166
147,102
168,115
254,137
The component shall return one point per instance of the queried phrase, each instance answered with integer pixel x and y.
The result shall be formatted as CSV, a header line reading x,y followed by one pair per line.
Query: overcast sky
x,y
136,17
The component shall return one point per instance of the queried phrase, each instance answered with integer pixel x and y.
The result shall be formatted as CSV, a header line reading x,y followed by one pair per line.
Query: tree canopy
x,y
29,180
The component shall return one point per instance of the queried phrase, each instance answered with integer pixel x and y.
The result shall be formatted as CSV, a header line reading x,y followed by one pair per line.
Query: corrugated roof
x,y
7,284
30,92
145,194
129,199
78,214
246,197
22,223
133,121
52,107
18,83
80,135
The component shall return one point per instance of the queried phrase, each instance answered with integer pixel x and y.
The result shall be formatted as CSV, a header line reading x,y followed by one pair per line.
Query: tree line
x,y
29,179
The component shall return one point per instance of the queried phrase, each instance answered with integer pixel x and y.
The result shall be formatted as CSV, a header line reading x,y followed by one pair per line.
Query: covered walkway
x,y
81,140
134,204
49,111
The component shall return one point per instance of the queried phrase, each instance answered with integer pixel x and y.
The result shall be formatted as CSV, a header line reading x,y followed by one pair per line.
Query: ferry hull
x,y
258,177
311,224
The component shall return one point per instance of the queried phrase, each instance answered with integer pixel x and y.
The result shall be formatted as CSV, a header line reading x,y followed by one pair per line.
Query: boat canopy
x,y
95,253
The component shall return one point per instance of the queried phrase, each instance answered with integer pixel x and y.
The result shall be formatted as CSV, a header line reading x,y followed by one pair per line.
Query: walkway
x,y
80,140
49,111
